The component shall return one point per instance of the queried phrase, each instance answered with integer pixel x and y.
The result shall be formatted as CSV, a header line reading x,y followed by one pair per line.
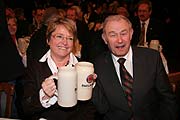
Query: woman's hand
x,y
49,86
94,77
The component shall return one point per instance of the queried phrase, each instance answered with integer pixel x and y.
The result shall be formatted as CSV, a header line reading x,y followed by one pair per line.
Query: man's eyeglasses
x,y
61,37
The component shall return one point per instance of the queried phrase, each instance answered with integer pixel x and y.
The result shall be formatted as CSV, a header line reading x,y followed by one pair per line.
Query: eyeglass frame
x,y
61,37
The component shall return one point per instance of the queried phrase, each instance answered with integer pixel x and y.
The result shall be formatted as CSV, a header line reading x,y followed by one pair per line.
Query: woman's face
x,y
12,26
61,42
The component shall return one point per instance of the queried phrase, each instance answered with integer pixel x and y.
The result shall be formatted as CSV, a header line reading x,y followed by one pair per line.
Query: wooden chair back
x,y
174,80
9,90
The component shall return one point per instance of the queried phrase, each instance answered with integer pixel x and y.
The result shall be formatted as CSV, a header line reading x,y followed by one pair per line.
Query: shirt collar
x,y
128,56
47,57
146,22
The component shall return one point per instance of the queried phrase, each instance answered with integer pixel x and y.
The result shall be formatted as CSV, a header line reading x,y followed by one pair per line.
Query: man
x,y
151,94
154,28
82,32
38,45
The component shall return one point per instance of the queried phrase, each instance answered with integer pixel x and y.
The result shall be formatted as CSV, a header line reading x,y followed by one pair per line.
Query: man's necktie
x,y
141,38
126,80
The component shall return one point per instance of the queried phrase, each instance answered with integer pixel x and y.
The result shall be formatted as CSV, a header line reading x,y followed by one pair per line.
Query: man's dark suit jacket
x,y
153,98
38,44
156,31
10,63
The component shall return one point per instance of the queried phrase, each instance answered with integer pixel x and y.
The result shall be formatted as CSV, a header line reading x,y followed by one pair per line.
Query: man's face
x,y
71,14
118,36
39,15
143,12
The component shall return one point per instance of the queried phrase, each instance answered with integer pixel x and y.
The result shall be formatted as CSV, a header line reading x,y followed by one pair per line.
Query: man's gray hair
x,y
116,18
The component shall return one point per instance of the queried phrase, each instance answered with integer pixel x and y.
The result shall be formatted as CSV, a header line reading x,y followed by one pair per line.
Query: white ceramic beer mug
x,y
67,86
84,80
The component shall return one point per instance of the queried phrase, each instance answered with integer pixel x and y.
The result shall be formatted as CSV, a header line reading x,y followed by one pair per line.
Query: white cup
x,y
154,44
84,80
67,86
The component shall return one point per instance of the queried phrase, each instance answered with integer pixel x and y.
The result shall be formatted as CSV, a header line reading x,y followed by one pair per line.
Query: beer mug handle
x,y
55,78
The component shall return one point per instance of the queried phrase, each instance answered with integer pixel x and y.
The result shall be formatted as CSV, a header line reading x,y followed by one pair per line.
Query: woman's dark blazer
x,y
34,76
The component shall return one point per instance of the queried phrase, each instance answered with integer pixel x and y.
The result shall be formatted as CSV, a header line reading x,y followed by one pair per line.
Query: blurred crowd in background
x,y
167,11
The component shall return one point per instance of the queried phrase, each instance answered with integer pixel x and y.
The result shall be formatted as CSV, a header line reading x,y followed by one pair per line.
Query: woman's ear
x,y
104,38
47,40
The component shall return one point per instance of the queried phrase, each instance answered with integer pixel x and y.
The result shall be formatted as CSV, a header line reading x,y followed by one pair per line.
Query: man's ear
x,y
104,38
131,32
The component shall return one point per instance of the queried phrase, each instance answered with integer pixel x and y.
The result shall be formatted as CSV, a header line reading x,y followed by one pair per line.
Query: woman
x,y
12,27
39,99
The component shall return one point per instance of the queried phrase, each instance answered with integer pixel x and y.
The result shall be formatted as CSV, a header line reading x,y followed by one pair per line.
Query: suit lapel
x,y
139,72
113,83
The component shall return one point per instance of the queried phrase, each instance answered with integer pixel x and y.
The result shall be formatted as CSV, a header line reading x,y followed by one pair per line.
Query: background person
x,y
11,65
154,28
